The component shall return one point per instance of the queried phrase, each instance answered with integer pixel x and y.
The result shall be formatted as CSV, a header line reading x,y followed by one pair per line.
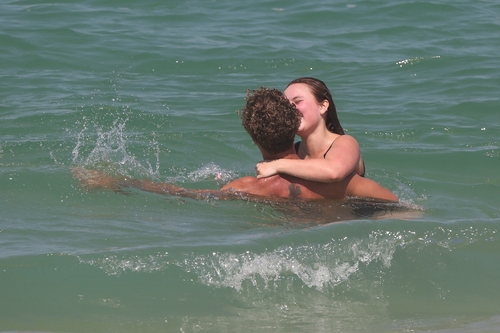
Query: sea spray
x,y
107,149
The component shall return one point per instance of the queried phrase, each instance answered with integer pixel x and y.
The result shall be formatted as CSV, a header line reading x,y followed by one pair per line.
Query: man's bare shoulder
x,y
239,184
281,186
270,186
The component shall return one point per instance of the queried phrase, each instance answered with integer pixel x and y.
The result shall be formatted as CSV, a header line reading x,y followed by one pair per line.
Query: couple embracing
x,y
326,164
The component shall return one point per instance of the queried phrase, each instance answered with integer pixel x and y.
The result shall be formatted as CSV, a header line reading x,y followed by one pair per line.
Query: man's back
x,y
277,186
285,186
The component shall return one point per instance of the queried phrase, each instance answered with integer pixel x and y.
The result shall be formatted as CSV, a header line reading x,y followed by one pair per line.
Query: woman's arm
x,y
342,159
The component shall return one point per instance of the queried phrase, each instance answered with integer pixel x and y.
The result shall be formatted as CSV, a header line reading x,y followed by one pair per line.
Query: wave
x,y
319,264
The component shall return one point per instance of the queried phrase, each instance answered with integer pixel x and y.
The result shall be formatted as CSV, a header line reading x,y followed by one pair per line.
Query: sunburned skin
x,y
275,187
295,208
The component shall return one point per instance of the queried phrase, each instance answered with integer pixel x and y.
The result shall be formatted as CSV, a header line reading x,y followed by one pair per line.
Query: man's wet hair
x,y
270,119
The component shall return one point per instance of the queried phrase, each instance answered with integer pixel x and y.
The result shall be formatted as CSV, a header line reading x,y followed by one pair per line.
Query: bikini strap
x,y
326,152
297,145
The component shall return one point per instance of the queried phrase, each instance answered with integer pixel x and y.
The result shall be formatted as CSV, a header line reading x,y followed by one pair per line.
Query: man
x,y
271,121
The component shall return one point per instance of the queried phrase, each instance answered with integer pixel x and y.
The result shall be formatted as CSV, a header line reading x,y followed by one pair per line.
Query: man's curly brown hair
x,y
270,119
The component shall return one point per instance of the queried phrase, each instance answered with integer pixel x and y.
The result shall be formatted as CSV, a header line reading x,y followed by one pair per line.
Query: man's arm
x,y
368,188
167,189
94,179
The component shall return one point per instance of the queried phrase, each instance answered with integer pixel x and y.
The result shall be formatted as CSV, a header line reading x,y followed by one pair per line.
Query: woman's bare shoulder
x,y
346,139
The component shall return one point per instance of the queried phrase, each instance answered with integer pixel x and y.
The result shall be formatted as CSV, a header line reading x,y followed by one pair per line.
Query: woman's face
x,y
300,95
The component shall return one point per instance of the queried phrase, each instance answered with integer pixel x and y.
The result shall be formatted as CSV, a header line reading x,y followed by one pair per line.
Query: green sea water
x,y
151,89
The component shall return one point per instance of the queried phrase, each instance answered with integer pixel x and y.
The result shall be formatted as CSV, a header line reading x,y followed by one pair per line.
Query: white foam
x,y
109,151
317,266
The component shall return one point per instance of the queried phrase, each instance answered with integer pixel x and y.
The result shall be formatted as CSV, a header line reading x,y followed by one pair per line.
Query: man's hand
x,y
93,179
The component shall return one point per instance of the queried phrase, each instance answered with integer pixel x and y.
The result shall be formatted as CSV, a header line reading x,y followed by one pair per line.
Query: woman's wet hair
x,y
321,92
270,119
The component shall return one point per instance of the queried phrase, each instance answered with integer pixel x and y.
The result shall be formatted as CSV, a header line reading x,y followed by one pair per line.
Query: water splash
x,y
109,151
116,265
317,266
211,171
340,265
415,60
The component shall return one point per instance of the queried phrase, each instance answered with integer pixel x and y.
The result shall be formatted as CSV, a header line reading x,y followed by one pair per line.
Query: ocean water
x,y
151,89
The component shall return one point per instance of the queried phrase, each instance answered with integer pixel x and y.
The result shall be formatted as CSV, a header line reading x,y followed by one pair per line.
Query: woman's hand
x,y
266,169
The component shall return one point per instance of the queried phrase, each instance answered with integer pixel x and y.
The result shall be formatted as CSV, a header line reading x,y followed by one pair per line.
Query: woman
x,y
327,154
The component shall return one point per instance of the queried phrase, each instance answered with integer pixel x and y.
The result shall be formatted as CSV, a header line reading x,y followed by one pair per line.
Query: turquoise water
x,y
150,89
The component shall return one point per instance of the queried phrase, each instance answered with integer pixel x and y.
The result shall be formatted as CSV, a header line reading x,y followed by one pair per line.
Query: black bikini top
x,y
297,145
